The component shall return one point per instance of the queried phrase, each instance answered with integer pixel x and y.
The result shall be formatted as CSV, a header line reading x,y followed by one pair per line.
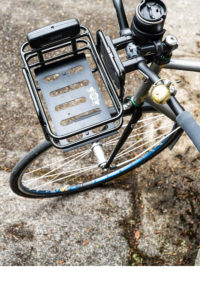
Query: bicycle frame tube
x,y
175,64
184,65
142,95
143,90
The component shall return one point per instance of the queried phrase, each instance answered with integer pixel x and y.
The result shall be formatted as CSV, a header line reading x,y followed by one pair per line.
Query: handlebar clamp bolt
x,y
167,82
172,88
171,41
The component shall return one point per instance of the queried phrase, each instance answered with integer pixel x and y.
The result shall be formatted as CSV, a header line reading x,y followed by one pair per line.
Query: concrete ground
x,y
155,221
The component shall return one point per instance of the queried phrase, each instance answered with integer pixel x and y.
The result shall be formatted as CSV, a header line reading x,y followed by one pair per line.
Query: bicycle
x,y
93,133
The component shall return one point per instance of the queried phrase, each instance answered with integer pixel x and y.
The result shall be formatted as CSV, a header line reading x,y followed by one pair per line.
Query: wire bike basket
x,y
61,66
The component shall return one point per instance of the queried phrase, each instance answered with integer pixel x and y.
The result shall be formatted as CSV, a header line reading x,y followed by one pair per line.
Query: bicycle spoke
x,y
150,131
138,128
49,165
148,149
53,181
48,174
133,149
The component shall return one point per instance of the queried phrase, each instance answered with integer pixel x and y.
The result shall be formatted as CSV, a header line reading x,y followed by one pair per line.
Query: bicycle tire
x,y
17,174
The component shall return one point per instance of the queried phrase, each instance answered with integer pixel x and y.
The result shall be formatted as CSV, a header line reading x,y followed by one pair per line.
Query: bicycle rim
x,y
48,172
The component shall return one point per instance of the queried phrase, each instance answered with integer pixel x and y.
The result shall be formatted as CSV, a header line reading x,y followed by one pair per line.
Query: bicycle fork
x,y
136,115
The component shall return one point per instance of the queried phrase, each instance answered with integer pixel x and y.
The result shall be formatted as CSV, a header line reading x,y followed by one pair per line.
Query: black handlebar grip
x,y
186,121
123,23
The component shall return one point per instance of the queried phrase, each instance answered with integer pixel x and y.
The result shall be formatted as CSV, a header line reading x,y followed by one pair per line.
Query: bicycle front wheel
x,y
48,172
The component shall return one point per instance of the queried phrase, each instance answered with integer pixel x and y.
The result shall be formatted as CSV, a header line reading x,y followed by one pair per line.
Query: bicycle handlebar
x,y
123,23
